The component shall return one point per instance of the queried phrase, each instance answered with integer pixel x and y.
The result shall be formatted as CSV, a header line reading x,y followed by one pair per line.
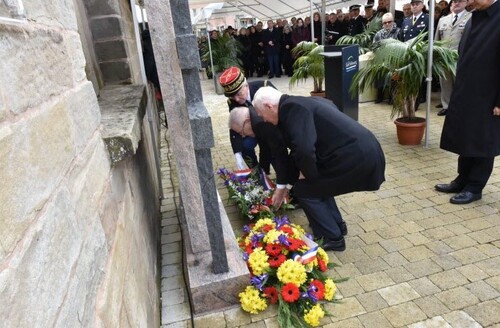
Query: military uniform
x,y
410,30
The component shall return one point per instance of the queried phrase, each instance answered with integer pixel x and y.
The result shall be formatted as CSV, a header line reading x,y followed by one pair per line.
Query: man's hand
x,y
496,111
278,197
240,162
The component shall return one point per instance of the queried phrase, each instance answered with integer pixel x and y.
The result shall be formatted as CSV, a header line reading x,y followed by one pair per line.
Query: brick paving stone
x,y
438,233
469,213
370,237
374,281
435,322
417,238
460,241
173,296
417,253
372,225
399,274
394,259
490,250
374,320
461,319
348,323
272,323
423,268
472,272
403,314
469,255
457,298
482,237
212,320
486,313
491,265
372,301
180,324
395,244
347,271
424,286
236,317
348,308
448,279
374,250
176,313
371,265
397,294
259,324
494,282
392,232
170,270
350,287
446,261
483,290
431,306
351,255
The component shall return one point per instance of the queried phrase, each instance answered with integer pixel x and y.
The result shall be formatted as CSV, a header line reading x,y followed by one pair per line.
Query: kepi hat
x,y
231,80
354,7
413,1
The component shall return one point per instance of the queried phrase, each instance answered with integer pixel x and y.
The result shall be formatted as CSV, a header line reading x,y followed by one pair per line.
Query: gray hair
x,y
237,117
387,15
266,95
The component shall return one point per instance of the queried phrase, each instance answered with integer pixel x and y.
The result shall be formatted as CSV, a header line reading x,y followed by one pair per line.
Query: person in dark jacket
x,y
318,28
472,125
300,32
272,48
333,153
246,55
240,93
333,29
357,23
286,50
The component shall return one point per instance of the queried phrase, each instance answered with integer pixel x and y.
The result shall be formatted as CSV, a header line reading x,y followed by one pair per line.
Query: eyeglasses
x,y
388,22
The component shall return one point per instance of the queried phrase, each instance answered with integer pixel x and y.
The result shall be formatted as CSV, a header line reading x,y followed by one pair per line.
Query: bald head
x,y
266,102
239,121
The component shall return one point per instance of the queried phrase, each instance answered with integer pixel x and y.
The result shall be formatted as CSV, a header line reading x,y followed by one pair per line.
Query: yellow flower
x,y
330,289
314,315
251,301
258,261
297,231
272,236
291,271
322,255
262,222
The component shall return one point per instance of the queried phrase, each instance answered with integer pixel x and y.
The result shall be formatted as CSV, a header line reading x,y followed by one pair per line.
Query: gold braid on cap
x,y
235,85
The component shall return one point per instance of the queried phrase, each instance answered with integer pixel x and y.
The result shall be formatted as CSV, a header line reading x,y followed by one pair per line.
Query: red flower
x,y
319,289
249,249
322,265
286,229
276,261
295,244
272,294
290,292
268,201
273,249
267,228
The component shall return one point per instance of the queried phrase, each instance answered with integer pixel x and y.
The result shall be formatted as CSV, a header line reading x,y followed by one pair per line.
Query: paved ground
x,y
413,259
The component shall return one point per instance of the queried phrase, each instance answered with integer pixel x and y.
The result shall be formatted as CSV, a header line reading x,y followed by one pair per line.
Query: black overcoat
x,y
336,154
470,128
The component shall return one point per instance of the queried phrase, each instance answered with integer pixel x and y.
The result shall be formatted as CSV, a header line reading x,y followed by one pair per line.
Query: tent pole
x,y
210,52
312,20
323,21
429,70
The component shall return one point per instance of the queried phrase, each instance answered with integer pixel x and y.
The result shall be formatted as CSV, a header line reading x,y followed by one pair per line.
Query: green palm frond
x,y
404,64
309,64
365,39
225,51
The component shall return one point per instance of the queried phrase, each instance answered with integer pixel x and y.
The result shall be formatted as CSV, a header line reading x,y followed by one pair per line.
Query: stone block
x,y
404,314
102,7
374,319
38,66
486,313
213,320
109,50
431,306
116,72
348,308
187,50
482,290
461,319
448,279
202,124
236,317
435,322
457,298
372,301
59,13
423,268
424,286
39,275
3,110
106,27
398,293
34,155
374,281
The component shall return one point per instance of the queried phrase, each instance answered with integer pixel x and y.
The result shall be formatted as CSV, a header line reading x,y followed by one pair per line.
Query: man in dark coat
x,y
357,23
472,125
416,23
334,154
272,48
240,93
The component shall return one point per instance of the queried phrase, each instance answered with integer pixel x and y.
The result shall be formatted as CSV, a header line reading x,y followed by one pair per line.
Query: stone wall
x,y
78,236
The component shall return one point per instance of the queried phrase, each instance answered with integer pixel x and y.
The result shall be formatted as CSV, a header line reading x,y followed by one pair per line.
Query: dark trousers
x,y
474,172
323,216
248,152
274,64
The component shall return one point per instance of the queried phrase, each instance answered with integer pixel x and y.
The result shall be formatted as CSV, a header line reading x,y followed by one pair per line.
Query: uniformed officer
x,y
416,23
357,22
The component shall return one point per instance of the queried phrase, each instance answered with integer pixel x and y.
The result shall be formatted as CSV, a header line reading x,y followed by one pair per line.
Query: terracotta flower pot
x,y
410,132
318,94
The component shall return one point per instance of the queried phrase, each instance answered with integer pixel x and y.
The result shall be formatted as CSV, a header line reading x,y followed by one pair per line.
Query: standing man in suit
x,y
451,28
357,22
240,93
334,154
472,125
272,48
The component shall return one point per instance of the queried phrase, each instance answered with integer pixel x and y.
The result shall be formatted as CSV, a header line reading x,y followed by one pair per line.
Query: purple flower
x,y
245,256
283,240
256,238
246,229
259,281
310,294
281,221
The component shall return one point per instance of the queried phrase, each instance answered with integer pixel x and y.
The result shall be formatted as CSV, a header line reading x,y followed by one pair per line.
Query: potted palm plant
x,y
224,50
403,65
365,39
309,64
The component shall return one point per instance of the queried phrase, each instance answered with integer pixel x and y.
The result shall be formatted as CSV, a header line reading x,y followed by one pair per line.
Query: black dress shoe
x,y
270,76
452,187
439,106
334,245
465,197
442,112
343,228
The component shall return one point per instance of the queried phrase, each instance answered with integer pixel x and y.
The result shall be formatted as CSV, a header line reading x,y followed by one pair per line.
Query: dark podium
x,y
341,63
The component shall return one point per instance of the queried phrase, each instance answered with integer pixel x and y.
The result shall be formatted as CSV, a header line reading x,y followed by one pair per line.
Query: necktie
x,y
414,20
454,20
